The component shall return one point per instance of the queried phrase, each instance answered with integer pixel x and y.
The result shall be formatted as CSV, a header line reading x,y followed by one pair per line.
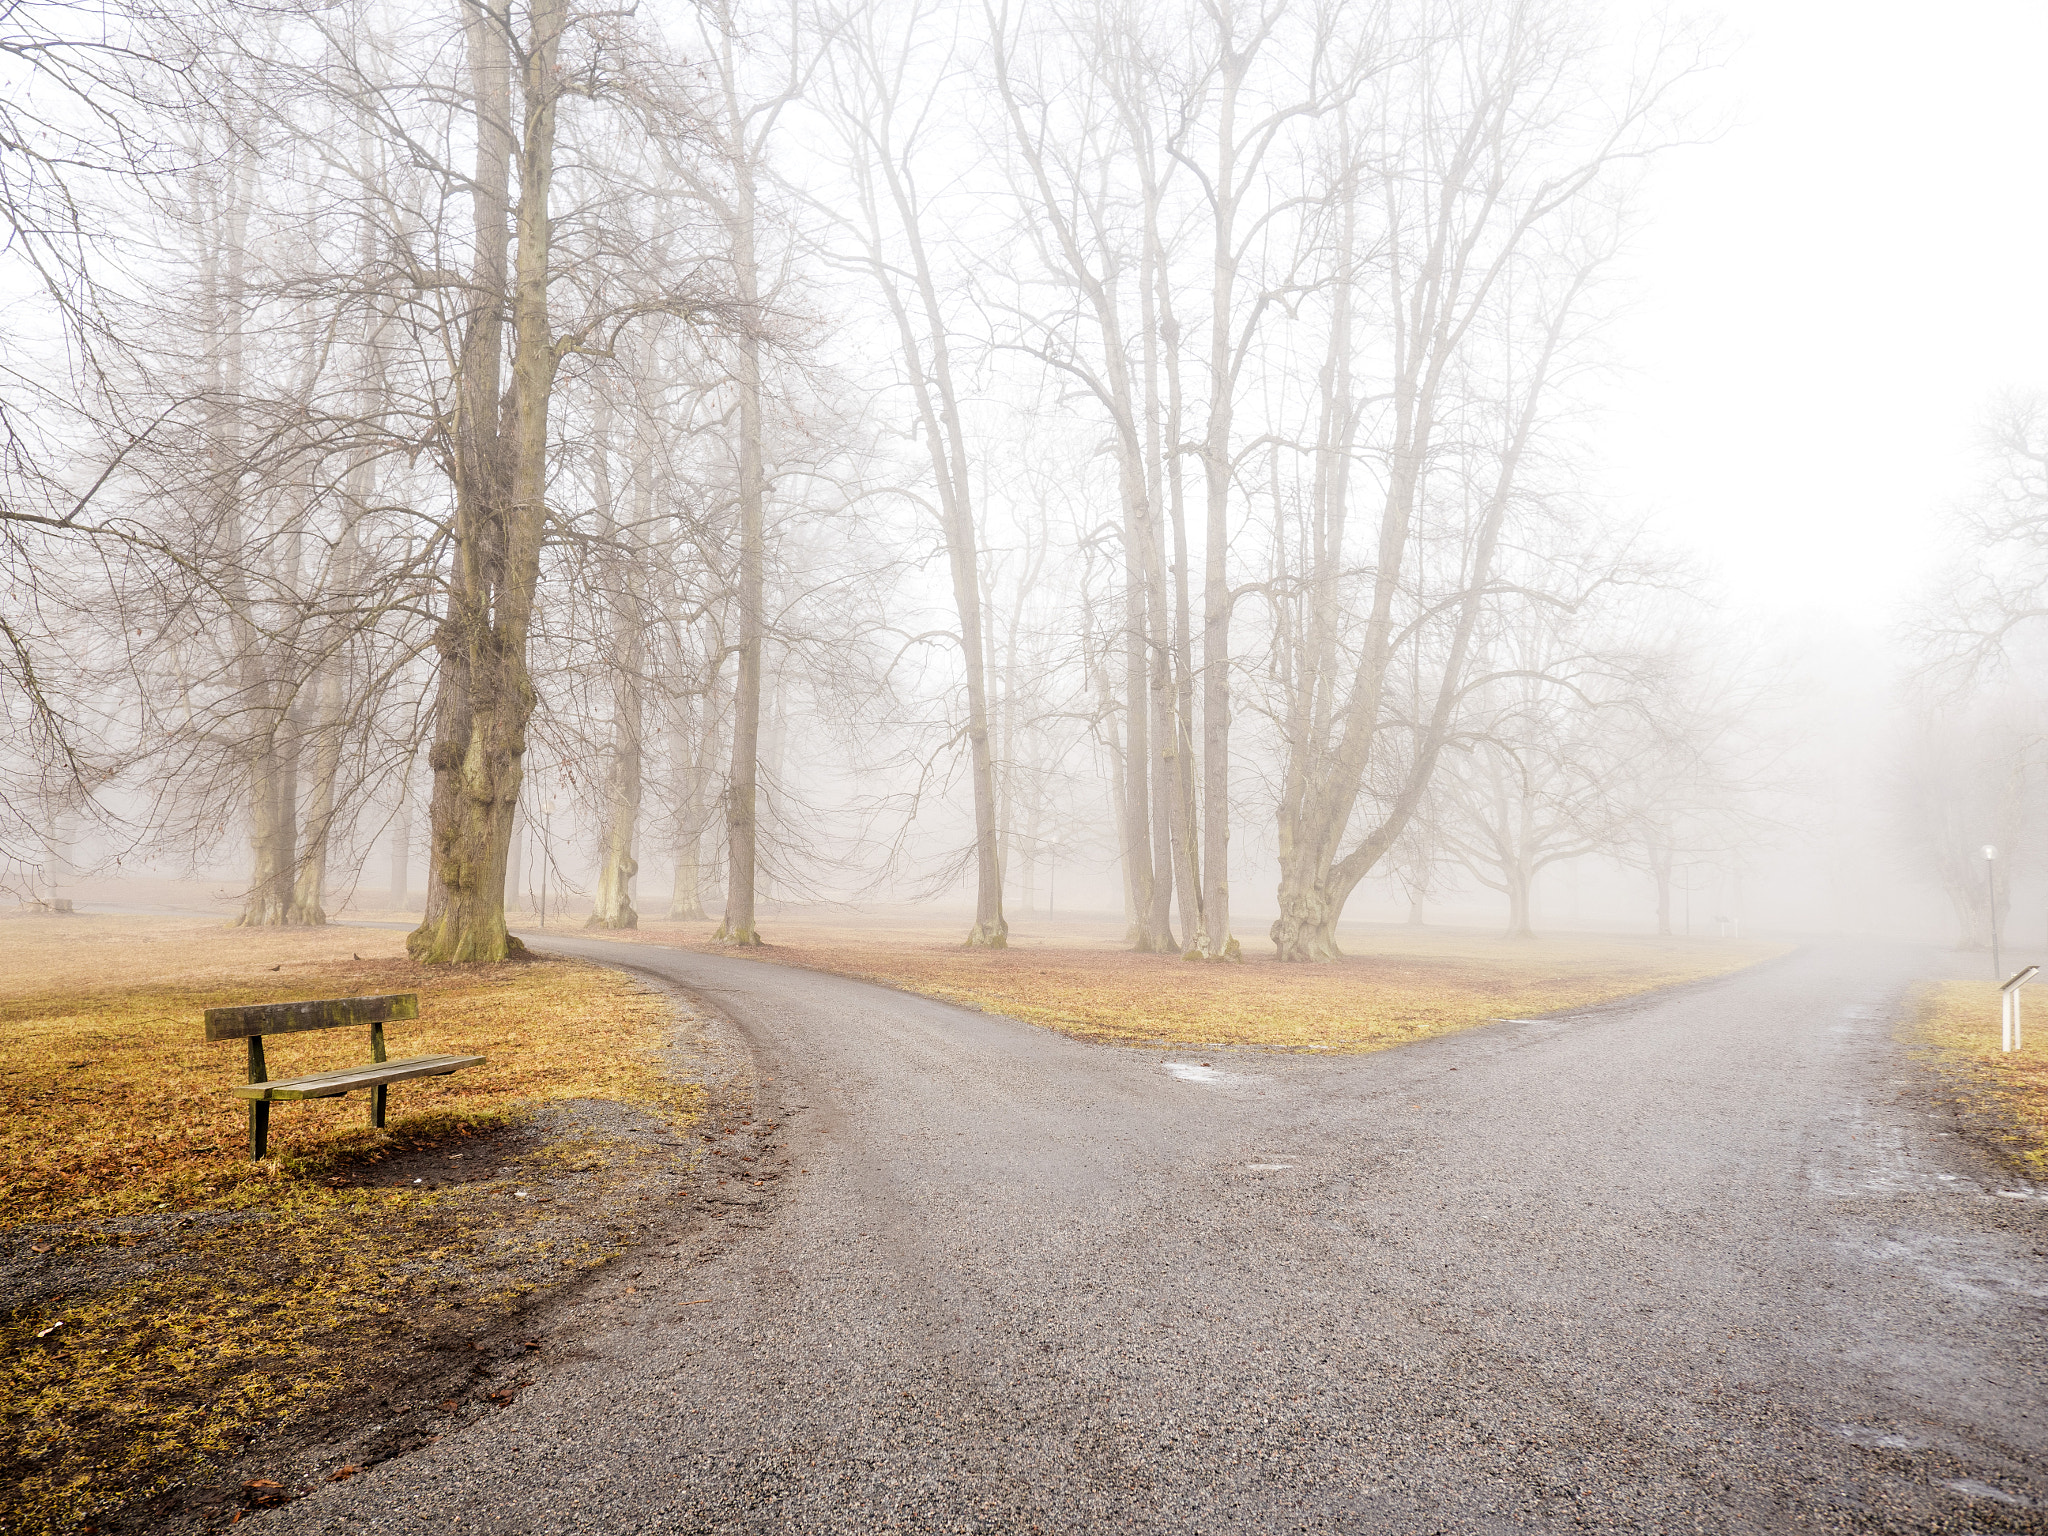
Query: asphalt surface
x,y
1715,1261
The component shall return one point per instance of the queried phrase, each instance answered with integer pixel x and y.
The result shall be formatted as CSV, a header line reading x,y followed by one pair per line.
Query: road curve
x,y
1711,1261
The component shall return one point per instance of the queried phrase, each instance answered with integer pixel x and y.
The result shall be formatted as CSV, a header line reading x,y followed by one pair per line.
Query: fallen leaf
x,y
39,1247
339,1473
450,1406
44,1333
261,1482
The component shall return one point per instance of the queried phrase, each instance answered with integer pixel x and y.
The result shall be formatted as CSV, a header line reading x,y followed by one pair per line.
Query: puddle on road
x,y
1876,1439
1971,1488
1984,1269
1188,1072
1866,1156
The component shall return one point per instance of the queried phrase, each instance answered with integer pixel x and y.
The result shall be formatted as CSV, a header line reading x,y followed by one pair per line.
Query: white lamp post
x,y
1991,889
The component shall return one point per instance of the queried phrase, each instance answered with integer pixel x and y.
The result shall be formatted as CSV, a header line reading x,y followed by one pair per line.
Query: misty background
x,y
1522,465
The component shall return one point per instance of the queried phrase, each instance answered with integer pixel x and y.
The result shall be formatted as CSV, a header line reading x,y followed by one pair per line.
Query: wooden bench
x,y
260,1019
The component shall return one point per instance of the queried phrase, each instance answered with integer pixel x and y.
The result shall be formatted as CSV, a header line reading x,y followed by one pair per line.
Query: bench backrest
x,y
260,1019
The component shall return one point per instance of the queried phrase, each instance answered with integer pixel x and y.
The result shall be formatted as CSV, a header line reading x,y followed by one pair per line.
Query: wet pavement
x,y
1714,1261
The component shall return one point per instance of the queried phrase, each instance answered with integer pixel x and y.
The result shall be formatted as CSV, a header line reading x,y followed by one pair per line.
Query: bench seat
x,y
329,1085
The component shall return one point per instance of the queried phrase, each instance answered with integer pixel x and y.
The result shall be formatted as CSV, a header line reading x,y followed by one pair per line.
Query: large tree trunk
x,y
686,895
1165,488
273,820
57,871
1169,873
324,805
1107,710
613,907
323,802
309,888
991,930
742,805
690,755
693,744
1216,476
742,784
1187,819
1141,872
616,864
1310,905
1520,882
272,787
486,695
401,845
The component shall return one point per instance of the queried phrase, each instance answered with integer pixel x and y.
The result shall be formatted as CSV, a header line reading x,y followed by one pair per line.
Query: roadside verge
x,y
1395,987
181,1324
1999,1098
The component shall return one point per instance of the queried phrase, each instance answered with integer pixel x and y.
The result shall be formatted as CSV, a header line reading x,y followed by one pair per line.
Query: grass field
x,y
2003,1095
171,1299
1395,984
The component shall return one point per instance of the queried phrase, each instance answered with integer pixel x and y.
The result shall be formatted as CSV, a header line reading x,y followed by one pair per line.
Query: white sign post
x,y
2009,1005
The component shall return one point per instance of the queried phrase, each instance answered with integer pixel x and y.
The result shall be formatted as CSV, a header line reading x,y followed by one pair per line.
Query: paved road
x,y
1708,1262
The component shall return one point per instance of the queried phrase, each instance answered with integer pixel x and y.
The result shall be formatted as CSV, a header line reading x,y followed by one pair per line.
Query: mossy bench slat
x,y
328,1085
253,1022
321,1013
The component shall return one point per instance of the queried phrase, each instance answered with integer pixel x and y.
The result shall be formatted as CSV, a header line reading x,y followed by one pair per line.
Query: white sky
x,y
1831,291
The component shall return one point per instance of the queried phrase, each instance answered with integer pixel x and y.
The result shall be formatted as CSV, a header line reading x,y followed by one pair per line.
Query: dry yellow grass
x,y
274,1285
114,1101
2005,1093
1396,985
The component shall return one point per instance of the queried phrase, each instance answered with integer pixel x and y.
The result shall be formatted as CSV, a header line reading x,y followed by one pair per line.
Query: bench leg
x,y
259,1129
377,1107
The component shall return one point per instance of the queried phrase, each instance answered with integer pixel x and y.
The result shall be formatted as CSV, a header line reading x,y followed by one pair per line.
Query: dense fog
x,y
1222,469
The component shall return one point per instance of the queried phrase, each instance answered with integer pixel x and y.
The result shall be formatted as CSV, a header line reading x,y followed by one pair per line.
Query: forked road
x,y
1707,1262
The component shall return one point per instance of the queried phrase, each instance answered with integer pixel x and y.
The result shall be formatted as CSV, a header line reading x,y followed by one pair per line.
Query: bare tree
x,y
1542,749
1962,780
621,559
879,68
1491,218
499,457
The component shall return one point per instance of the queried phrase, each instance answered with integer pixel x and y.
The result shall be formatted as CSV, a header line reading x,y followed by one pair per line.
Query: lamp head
x,y
1990,852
